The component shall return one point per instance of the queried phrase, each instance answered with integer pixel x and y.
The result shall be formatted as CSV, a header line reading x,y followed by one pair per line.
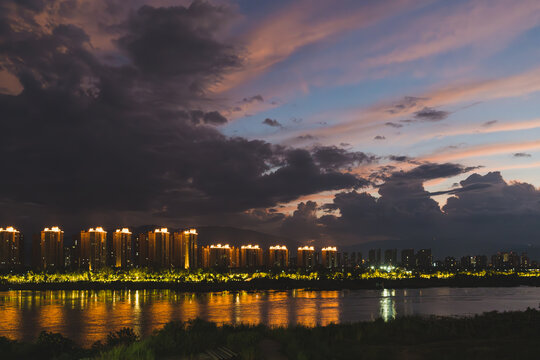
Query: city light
x,y
219,246
162,230
9,229
124,231
278,247
306,248
329,248
191,231
98,229
53,229
250,246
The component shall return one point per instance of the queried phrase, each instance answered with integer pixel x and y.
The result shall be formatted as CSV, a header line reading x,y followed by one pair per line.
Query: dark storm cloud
x,y
401,158
431,114
306,137
211,117
379,137
252,99
91,140
408,102
333,157
271,122
179,41
520,154
394,125
484,214
434,171
489,123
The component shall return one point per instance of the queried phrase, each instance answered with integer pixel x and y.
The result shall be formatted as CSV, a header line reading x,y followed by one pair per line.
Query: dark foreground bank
x,y
510,335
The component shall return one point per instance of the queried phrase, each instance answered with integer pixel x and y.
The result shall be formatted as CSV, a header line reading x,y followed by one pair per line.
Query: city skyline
x,y
162,248
399,122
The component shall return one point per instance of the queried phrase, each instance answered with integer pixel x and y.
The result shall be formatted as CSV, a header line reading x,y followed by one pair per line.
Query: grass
x,y
509,335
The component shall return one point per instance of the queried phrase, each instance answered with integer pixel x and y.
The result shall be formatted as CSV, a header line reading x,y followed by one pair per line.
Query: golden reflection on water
x,y
387,304
278,310
87,316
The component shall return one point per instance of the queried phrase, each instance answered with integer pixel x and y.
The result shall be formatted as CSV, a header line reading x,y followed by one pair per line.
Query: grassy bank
x,y
511,335
200,280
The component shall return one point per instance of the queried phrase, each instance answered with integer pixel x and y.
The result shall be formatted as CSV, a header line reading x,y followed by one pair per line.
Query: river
x,y
87,316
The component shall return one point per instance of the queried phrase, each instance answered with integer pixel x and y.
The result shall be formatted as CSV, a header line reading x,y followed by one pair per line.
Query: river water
x,y
87,316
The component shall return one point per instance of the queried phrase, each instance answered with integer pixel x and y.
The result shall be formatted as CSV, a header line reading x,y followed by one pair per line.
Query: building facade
x,y
251,256
184,250
278,256
329,257
49,249
93,249
122,248
306,257
11,254
408,260
159,248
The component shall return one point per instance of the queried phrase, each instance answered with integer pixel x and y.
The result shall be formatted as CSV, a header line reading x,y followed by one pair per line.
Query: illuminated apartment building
x,y
159,248
306,257
223,256
140,250
184,249
49,249
278,256
122,246
251,256
93,249
10,248
329,257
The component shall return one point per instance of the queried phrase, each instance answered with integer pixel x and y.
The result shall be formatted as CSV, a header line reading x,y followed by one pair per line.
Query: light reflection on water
x,y
87,316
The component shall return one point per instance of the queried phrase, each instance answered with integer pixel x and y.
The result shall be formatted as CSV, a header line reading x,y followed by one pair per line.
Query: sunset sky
x,y
343,122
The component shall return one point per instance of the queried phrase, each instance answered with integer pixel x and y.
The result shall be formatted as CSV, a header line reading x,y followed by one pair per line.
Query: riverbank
x,y
510,335
211,282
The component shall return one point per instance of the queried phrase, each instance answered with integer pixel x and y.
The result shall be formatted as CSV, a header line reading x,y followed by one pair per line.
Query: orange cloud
x,y
300,24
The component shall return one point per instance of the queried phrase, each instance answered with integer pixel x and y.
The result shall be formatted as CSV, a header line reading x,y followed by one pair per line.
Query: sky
x,y
407,123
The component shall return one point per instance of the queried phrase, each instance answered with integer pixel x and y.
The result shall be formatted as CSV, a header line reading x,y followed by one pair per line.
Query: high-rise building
x,y
450,263
306,257
93,249
49,248
374,257
222,256
184,249
159,248
329,257
278,256
424,259
140,250
390,257
251,256
122,248
408,260
10,248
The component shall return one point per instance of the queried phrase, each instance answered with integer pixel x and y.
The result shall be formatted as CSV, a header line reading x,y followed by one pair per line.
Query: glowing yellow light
x,y
191,231
54,229
162,230
278,247
98,229
9,229
250,246
329,248
124,231
306,248
219,246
